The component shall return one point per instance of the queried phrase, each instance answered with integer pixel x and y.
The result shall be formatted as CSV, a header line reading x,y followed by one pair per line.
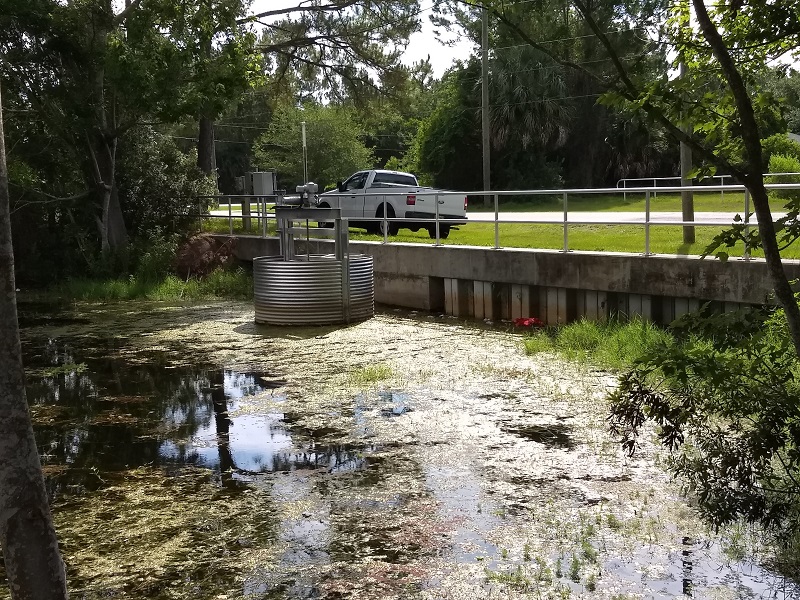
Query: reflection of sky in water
x,y
255,444
251,443
245,442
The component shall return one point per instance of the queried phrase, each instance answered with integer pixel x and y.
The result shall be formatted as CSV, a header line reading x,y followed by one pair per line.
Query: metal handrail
x,y
722,178
263,215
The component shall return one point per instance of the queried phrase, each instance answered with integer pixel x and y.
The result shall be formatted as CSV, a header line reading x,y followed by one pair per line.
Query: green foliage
x,y
575,569
371,374
726,401
219,284
789,93
787,227
159,183
708,99
612,344
335,149
780,143
340,52
779,163
448,141
85,75
154,255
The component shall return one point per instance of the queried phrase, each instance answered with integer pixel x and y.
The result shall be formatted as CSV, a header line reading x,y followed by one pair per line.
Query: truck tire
x,y
393,227
444,231
325,224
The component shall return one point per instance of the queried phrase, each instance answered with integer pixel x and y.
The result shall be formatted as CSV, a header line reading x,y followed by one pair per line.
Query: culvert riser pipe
x,y
309,290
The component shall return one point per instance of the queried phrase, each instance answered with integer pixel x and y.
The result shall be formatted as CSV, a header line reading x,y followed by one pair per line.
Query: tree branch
x,y
297,9
632,94
121,17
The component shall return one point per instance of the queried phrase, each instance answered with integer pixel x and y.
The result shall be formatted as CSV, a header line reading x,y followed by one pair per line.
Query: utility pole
x,y
487,185
305,152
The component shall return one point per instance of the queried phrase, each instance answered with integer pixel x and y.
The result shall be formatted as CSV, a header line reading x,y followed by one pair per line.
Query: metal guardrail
x,y
723,180
262,216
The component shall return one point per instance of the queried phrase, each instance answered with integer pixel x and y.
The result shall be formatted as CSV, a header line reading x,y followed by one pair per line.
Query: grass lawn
x,y
664,239
703,202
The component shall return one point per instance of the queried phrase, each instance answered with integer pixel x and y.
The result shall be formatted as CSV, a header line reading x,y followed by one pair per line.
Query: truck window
x,y
394,178
356,182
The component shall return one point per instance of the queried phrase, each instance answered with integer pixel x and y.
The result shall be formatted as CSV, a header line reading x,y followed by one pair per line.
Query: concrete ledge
x,y
507,283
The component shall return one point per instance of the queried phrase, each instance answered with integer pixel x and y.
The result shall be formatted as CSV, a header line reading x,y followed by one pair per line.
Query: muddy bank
x,y
193,454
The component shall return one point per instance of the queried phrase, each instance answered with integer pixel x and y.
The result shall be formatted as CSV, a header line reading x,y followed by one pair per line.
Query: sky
x,y
421,45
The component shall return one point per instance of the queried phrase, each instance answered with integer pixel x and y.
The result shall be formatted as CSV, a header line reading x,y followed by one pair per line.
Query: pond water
x,y
191,454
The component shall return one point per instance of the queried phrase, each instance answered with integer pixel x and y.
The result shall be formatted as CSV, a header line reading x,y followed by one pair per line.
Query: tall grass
x,y
611,344
221,283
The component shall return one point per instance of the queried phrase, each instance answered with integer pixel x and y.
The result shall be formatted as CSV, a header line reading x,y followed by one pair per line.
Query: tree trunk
x,y
27,538
205,146
113,233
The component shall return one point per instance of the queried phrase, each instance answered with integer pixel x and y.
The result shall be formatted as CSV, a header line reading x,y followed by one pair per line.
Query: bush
x,y
780,163
726,402
780,143
154,255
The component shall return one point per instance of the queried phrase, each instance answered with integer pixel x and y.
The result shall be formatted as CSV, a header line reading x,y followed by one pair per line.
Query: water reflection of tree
x,y
223,423
116,415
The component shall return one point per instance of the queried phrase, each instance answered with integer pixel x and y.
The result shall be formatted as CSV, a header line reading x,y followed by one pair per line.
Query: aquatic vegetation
x,y
370,374
258,468
196,535
65,369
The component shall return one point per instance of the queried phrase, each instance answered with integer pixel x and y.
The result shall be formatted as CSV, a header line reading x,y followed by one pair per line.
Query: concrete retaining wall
x,y
557,287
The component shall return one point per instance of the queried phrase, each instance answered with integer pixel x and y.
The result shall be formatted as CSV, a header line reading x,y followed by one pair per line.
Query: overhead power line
x,y
566,39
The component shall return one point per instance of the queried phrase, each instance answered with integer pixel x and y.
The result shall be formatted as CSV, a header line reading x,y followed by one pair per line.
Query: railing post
x,y
496,221
746,224
647,224
385,224
655,188
230,217
436,224
264,217
566,234
200,213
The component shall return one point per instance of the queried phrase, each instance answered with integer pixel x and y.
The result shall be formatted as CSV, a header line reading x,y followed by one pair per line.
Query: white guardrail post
x,y
746,224
566,227
230,217
436,202
496,221
385,224
647,224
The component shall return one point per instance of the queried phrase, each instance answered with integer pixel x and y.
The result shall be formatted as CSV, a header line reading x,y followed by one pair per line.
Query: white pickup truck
x,y
375,193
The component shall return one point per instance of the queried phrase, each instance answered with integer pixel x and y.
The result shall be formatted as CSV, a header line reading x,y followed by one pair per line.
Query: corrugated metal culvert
x,y
309,290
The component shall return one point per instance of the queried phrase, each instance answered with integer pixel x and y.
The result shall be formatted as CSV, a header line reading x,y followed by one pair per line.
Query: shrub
x,y
726,401
154,255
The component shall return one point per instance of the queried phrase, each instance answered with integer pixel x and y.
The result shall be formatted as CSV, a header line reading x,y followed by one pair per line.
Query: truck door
x,y
351,199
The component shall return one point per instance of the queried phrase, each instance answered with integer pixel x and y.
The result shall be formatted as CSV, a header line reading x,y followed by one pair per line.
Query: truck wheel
x,y
393,227
444,231
325,224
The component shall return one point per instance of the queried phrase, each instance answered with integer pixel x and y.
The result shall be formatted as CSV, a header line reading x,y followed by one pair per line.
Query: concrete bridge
x,y
557,287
